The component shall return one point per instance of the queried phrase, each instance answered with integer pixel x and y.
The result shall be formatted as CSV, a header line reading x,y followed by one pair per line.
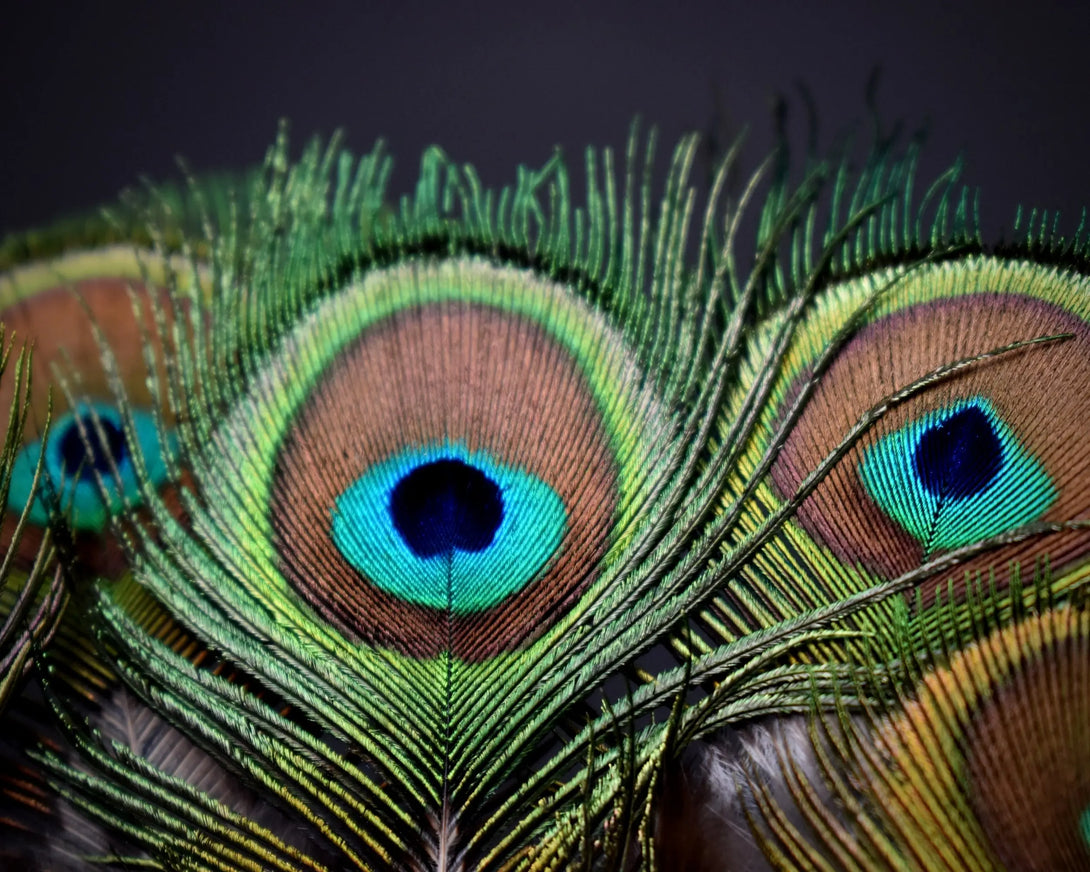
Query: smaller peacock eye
x,y
951,477
86,451
446,506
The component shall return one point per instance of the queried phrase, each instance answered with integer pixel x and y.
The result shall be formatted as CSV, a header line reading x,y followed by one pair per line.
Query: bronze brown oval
x,y
446,372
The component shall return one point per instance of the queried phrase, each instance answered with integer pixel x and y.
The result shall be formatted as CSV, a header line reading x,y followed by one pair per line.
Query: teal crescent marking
x,y
1084,826
1019,492
80,498
465,582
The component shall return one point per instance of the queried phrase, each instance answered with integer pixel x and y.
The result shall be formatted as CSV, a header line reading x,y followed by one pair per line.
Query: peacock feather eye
x,y
468,421
448,463
975,454
89,454
1028,742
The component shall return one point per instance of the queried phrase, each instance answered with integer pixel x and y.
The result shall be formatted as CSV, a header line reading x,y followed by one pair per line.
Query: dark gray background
x,y
94,98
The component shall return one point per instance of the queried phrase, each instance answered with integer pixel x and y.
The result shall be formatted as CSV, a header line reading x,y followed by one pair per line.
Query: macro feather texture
x,y
520,530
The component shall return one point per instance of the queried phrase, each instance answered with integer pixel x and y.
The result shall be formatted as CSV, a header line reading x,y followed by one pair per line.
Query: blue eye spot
x,y
956,476
446,529
74,466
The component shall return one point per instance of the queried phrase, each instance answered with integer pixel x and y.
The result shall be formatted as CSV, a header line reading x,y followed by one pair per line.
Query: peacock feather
x,y
509,529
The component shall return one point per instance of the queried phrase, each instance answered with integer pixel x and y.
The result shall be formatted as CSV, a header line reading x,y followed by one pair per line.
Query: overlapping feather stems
x,y
984,765
780,575
104,727
978,453
570,395
68,306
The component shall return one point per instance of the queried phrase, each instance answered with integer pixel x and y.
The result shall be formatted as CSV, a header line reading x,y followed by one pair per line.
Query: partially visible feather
x,y
980,765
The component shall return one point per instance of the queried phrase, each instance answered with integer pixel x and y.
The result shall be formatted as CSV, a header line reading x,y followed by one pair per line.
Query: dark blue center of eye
x,y
85,458
446,505
959,456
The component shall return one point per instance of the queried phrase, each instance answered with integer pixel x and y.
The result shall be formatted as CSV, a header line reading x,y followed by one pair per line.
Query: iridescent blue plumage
x,y
449,529
956,476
